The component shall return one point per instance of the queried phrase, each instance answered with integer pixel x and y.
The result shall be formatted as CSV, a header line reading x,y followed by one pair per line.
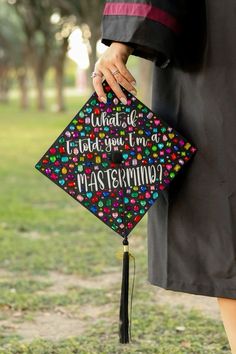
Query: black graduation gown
x,y
192,226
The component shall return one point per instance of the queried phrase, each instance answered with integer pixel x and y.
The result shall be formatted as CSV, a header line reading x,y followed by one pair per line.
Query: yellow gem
x,y
64,170
79,127
177,167
139,157
98,159
171,135
187,146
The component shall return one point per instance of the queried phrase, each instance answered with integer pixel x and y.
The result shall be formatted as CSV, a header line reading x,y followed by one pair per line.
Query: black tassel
x,y
124,298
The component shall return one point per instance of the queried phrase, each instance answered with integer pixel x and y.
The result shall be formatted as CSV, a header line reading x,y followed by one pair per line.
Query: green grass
x,y
44,230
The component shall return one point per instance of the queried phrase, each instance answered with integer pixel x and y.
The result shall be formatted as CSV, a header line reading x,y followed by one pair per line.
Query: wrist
x,y
128,49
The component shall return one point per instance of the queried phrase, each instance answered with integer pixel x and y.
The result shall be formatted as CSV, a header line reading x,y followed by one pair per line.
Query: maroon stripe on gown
x,y
142,10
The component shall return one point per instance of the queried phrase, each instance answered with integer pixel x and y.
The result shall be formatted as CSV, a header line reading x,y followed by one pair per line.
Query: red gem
x,y
127,147
96,110
107,88
175,140
52,150
89,156
80,120
71,184
173,156
61,149
137,218
53,176
45,161
94,199
92,136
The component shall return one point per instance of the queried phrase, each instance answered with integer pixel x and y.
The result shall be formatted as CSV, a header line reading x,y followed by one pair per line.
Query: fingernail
x,y
103,99
133,83
134,92
123,100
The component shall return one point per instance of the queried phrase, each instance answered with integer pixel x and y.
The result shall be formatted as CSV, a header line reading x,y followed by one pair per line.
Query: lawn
x,y
60,268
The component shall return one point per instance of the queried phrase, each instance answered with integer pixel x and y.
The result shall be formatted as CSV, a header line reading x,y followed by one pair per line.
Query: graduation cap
x,y
115,160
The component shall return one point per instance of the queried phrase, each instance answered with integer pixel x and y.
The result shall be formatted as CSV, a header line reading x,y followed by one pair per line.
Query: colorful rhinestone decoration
x,y
118,191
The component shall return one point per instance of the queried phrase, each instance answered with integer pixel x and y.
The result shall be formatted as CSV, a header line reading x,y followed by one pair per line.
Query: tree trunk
x,y
40,92
24,99
4,84
59,68
59,88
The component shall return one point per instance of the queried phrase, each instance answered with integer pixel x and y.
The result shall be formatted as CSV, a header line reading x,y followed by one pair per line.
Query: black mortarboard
x,y
115,159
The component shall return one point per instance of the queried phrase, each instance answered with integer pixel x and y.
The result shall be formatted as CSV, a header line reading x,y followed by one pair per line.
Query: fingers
x,y
115,86
125,73
97,83
114,60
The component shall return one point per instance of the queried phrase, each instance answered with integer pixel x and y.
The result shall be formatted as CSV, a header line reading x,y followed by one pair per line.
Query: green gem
x,y
168,143
52,158
74,121
81,114
140,106
100,204
154,148
93,102
142,211
109,95
104,164
147,152
134,194
129,215
155,195
61,140
108,202
143,202
80,168
163,129
172,175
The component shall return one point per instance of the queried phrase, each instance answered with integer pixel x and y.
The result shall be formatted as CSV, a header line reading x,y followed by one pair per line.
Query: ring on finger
x,y
115,72
94,74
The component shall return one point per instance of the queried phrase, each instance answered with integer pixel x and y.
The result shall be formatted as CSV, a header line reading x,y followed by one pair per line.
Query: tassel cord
x,y
131,296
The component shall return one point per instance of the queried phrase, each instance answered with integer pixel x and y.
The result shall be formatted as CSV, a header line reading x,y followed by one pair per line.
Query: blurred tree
x,y
13,56
88,12
62,26
46,31
35,20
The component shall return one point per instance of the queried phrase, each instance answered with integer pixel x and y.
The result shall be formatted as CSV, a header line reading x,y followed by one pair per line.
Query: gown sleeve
x,y
151,27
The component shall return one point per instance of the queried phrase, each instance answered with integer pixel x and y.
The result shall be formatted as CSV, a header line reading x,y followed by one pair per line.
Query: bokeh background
x,y
60,269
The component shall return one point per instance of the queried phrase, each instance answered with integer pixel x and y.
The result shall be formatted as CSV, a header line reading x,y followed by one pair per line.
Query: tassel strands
x,y
124,298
